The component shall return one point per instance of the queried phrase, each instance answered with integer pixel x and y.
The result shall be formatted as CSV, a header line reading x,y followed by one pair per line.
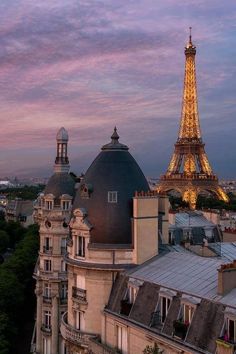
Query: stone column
x,y
55,325
39,320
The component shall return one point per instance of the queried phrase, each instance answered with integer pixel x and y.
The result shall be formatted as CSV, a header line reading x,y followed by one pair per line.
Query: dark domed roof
x,y
60,183
115,170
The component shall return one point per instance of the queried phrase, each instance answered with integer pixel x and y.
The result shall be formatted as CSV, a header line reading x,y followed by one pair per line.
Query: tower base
x,y
190,187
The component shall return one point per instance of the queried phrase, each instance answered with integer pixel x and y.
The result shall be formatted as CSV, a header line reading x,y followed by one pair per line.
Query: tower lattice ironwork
x,y
189,171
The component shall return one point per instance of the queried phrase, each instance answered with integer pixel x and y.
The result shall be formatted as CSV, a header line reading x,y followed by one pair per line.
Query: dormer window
x,y
132,293
231,329
112,197
164,307
188,311
130,296
65,205
86,190
49,204
160,314
80,246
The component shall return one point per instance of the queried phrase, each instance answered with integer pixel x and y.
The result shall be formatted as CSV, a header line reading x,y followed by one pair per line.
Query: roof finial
x,y
190,35
115,136
115,144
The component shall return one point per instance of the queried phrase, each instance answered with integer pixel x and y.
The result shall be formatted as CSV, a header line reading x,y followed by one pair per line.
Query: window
x,y
65,205
47,319
64,150
47,290
47,243
59,149
231,329
164,307
112,197
46,345
79,320
122,339
63,245
80,251
47,265
188,313
49,204
63,266
64,291
132,293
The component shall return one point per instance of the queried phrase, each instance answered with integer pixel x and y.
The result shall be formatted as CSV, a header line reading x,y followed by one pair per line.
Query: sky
x,y
90,65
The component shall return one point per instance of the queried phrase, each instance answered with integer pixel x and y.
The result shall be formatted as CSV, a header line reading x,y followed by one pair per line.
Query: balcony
x,y
79,294
47,299
47,250
180,329
157,320
47,329
63,300
225,347
74,335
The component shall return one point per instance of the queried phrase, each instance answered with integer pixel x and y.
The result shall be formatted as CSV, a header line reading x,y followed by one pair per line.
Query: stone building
x,y
20,210
52,212
128,288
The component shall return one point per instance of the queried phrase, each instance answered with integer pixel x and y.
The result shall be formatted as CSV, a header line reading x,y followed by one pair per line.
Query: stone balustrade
x,y
73,335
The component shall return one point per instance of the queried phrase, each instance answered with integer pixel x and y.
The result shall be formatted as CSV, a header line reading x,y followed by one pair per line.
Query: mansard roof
x,y
60,183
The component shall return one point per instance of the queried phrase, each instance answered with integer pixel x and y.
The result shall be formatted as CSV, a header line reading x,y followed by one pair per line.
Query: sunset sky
x,y
90,65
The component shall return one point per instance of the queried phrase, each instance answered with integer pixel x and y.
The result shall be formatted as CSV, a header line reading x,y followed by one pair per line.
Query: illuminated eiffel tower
x,y
189,171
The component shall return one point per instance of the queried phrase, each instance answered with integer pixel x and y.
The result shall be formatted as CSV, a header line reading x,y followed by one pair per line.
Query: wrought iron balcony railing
x,y
46,329
180,329
47,250
47,299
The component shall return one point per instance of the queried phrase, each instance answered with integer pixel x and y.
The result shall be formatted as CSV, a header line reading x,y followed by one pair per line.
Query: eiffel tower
x,y
189,171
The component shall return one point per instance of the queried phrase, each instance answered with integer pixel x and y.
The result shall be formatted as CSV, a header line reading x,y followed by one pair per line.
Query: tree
x,y
4,241
153,350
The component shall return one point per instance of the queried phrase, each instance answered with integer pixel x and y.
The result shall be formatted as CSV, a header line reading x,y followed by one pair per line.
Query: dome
x,y
60,183
113,174
62,134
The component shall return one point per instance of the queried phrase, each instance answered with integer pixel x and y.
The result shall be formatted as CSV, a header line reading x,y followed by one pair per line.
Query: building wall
x,y
138,338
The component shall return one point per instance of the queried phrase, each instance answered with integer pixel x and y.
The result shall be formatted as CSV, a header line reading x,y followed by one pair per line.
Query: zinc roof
x,y
189,273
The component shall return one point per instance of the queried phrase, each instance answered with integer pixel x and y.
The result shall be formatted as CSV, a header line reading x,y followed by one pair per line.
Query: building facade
x,y
52,212
121,287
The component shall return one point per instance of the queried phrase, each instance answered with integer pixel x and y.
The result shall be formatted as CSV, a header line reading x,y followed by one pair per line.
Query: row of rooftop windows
x,y
184,318
48,204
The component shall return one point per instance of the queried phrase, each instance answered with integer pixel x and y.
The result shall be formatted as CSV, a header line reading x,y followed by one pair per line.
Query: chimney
x,y
226,278
145,226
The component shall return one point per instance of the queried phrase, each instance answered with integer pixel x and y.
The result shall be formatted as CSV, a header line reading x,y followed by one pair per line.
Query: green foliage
x,y
153,350
4,240
15,233
16,284
25,192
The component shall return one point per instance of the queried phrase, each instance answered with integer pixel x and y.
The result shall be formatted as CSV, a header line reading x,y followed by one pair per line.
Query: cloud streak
x,y
89,65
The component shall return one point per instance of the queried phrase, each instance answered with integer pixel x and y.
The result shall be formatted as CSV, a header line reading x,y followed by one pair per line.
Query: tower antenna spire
x,y
190,35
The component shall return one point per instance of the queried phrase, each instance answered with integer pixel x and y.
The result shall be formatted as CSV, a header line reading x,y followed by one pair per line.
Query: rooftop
x,y
189,273
192,219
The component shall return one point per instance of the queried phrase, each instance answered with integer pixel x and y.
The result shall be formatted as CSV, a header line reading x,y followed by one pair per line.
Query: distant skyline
x,y
92,65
